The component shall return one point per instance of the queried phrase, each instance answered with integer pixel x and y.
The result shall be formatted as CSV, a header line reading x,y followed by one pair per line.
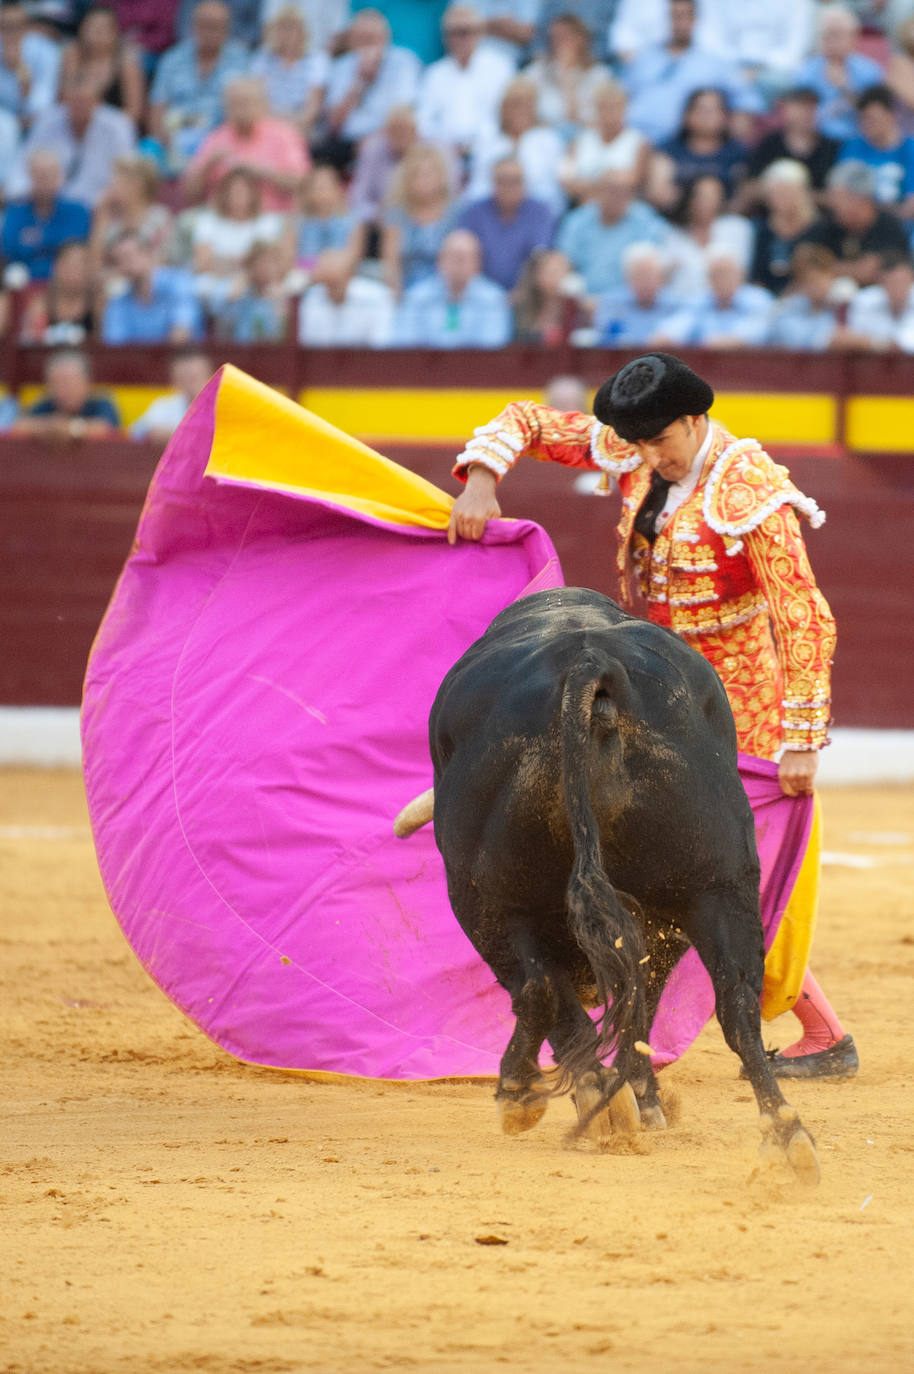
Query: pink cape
x,y
255,715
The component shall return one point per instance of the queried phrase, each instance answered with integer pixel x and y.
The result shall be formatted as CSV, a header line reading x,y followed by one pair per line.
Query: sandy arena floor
x,y
167,1209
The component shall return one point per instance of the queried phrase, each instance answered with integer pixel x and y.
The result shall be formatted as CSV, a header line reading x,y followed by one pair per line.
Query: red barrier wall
x,y
67,520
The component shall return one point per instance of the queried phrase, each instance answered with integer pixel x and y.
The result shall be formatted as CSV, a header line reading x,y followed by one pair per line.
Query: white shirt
x,y
164,415
456,103
364,318
769,34
871,315
680,491
539,152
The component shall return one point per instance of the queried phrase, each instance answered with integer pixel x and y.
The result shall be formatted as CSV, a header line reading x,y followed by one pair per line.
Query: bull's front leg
x,y
729,944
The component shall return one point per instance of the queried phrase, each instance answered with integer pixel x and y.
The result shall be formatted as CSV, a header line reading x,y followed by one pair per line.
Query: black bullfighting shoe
x,y
838,1061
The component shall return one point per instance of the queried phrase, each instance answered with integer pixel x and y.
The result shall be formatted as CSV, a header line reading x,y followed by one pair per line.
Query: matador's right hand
x,y
475,506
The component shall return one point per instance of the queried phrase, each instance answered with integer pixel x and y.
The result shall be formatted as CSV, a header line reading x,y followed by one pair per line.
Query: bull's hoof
x,y
624,1112
520,1111
652,1119
591,1105
802,1157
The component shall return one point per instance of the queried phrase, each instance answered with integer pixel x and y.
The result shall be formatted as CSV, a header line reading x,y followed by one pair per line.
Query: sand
x,y
167,1209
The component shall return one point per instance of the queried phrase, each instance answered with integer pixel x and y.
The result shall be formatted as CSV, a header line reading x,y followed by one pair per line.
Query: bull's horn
x,y
417,813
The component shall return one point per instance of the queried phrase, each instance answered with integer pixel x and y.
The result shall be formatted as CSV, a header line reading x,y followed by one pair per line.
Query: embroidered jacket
x,y
729,557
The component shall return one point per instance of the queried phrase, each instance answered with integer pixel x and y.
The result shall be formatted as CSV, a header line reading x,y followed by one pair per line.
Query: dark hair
x,y
877,95
812,257
693,100
680,211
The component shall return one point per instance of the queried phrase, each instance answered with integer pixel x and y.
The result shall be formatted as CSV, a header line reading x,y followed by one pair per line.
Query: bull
x,y
592,822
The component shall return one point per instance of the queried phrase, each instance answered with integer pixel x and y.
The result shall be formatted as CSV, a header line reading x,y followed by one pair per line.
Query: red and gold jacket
x,y
729,558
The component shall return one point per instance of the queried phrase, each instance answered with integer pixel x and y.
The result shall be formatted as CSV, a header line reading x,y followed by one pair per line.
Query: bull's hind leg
x,y
729,945
664,949
604,1100
522,1096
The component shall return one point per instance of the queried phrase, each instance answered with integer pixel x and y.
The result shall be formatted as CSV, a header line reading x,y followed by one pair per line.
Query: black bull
x,y
592,821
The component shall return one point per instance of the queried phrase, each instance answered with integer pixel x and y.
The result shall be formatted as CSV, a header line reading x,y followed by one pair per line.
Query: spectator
x,y
882,316
856,230
185,101
702,147
596,15
379,156
634,315
325,20
766,39
547,300
518,136
792,216
414,24
129,202
510,27
660,80
798,139
244,20
567,75
29,65
594,236
64,310
899,71
701,225
259,313
568,393
509,224
419,218
608,145
268,148
805,317
98,52
10,143
340,310
365,83
148,25
881,146
9,413
327,221
88,138
189,371
69,409
294,76
457,307
836,72
733,314
224,234
157,304
35,228
459,95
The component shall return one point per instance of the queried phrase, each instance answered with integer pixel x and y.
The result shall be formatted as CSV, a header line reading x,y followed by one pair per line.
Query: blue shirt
x,y
429,319
837,116
419,243
893,167
93,408
315,235
797,323
34,241
622,323
41,57
747,318
395,84
595,249
171,305
250,319
660,82
597,15
507,244
179,85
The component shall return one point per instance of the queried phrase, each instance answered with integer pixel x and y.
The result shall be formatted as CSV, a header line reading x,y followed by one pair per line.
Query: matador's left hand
x,y
797,771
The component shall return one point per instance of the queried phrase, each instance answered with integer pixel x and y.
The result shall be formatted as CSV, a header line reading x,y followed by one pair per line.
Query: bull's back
x,y
662,759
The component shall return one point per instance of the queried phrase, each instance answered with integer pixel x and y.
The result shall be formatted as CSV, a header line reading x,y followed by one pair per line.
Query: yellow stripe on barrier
x,y
779,417
880,424
440,414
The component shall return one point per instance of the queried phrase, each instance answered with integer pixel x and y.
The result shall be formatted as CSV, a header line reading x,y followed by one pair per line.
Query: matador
x,y
710,533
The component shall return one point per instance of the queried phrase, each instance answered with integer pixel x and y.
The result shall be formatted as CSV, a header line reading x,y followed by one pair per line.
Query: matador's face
x,y
672,452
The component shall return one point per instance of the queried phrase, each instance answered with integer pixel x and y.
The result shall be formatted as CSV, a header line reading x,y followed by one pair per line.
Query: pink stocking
x,y
821,1027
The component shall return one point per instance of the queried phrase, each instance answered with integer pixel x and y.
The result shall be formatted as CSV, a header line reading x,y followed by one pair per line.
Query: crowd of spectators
x,y
625,173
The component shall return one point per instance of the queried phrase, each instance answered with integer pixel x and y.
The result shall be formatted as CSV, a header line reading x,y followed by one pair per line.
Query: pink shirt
x,y
272,143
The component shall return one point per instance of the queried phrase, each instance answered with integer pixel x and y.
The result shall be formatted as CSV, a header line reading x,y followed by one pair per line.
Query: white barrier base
x,y
48,737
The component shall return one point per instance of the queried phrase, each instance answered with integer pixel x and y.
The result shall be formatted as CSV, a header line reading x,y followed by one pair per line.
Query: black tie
x,y
651,506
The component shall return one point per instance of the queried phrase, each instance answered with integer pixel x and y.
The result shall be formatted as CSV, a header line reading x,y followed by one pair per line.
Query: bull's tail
x,y
605,930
